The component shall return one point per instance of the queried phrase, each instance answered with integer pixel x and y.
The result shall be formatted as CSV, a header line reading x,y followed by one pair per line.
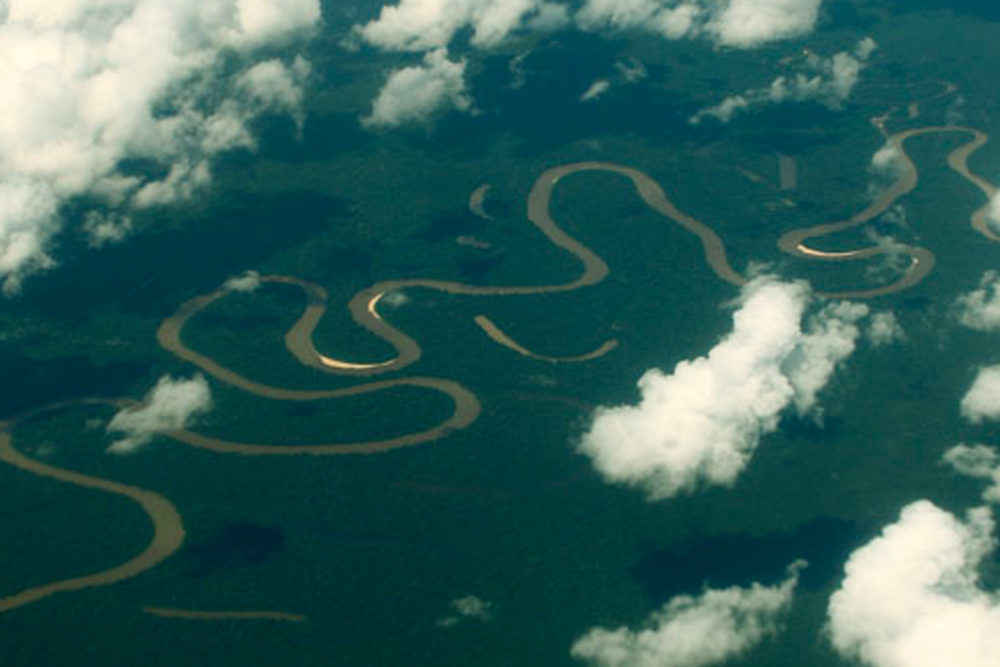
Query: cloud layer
x,y
170,405
424,25
912,596
90,85
695,631
702,423
826,81
433,26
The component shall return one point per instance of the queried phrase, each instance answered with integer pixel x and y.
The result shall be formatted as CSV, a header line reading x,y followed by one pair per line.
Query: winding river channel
x,y
364,308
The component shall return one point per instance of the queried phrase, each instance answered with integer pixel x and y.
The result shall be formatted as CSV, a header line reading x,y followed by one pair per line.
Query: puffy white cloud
x,y
724,110
672,20
468,607
430,26
29,217
104,227
248,281
88,85
275,86
982,401
887,165
414,94
977,461
892,262
750,23
702,423
596,90
423,25
826,81
736,23
887,160
993,212
980,308
912,596
266,21
170,405
884,328
716,626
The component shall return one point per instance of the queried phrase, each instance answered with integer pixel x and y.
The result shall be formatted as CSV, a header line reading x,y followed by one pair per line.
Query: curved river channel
x,y
364,308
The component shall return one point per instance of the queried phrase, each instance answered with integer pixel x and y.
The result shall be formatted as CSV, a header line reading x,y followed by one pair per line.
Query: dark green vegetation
x,y
373,549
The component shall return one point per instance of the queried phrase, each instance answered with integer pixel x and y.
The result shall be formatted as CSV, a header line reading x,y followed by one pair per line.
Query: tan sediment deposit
x,y
168,529
201,615
364,305
364,311
299,342
501,338
477,201
922,260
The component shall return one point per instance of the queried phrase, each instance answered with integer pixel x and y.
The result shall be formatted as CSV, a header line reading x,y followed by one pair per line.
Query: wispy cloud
x,y
170,405
712,628
596,90
980,462
826,81
465,608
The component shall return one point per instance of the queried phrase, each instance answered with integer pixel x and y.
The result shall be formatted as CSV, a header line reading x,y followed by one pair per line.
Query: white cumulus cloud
x,y
993,212
424,25
170,405
826,81
982,401
912,596
884,328
980,308
750,23
89,85
670,19
248,281
414,94
687,631
887,160
701,423
736,23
